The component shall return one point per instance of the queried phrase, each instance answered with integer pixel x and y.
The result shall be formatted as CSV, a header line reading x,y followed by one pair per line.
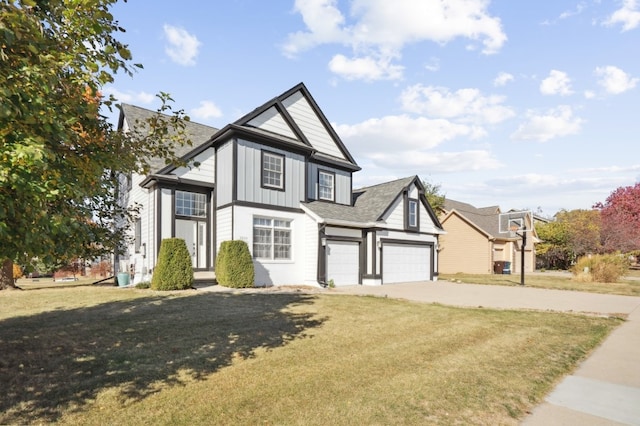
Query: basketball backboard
x,y
515,222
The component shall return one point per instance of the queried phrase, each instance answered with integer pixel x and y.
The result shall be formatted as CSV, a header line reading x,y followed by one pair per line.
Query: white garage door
x,y
405,263
343,262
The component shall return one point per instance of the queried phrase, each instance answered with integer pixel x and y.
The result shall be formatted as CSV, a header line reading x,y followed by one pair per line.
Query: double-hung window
x,y
272,170
271,238
326,187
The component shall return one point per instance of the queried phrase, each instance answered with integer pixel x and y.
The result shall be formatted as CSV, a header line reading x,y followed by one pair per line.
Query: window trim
x,y
333,185
137,235
182,215
272,228
408,225
282,158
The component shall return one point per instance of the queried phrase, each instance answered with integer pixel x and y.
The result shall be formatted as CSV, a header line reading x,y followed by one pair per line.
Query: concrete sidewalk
x,y
604,389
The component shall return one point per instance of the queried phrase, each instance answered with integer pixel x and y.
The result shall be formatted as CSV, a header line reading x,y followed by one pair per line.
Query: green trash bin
x,y
123,279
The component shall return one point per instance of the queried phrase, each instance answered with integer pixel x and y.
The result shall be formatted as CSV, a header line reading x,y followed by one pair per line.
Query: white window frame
x,y
331,188
412,216
267,245
272,170
191,204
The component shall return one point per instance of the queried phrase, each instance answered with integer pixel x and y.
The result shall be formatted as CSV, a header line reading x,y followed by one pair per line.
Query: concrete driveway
x,y
604,389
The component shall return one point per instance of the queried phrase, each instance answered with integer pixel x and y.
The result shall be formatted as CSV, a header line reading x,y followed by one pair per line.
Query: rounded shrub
x,y
173,270
234,266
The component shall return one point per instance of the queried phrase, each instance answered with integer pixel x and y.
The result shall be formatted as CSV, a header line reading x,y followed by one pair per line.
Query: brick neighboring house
x,y
472,243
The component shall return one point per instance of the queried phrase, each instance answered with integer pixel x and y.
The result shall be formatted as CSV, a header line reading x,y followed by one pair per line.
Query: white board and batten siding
x,y
204,172
311,126
249,175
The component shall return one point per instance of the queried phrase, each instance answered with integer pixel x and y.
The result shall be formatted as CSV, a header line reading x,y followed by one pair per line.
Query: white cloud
x,y
435,162
502,79
589,94
628,15
182,47
380,29
381,134
614,80
129,97
557,122
366,68
558,83
466,105
206,110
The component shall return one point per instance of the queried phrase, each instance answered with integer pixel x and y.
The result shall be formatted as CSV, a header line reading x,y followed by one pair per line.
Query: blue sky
x,y
523,104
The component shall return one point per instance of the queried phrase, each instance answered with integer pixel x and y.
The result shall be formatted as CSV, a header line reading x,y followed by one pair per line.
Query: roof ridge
x,y
364,188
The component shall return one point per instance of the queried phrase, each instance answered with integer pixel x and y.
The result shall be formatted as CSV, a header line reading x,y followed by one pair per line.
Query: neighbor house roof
x,y
484,218
197,133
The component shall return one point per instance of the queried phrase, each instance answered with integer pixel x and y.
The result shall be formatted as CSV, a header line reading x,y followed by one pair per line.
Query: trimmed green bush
x,y
234,266
173,270
602,268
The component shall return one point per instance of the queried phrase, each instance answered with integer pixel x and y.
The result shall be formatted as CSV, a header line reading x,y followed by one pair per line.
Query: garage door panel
x,y
405,263
343,262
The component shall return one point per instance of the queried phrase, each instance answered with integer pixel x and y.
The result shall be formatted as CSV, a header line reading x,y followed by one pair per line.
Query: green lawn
x,y
106,355
628,286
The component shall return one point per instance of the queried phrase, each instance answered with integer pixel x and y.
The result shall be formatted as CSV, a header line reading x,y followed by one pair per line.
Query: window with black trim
x,y
191,204
272,170
326,185
271,238
412,214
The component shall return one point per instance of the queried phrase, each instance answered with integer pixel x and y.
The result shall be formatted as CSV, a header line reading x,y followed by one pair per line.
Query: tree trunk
x,y
6,275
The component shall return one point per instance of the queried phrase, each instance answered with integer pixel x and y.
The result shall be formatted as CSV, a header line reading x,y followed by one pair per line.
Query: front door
x,y
193,232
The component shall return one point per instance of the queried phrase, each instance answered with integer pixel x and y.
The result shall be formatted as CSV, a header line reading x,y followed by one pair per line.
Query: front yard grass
x,y
628,286
107,355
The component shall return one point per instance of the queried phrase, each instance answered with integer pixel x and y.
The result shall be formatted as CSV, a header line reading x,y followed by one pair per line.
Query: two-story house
x,y
280,179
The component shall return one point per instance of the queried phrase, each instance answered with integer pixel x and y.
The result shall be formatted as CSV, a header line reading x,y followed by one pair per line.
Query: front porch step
x,y
204,278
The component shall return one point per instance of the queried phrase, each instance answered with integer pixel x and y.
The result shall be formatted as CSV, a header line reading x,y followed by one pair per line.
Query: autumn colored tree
x,y
572,234
620,215
60,158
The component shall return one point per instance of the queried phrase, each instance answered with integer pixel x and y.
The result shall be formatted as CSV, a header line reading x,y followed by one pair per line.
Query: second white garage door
x,y
343,262
405,263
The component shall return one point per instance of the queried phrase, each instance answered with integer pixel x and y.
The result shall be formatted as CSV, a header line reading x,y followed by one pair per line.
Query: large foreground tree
x,y
60,158
620,215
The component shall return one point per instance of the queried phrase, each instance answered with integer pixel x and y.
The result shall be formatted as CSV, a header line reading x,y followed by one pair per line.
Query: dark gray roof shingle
x,y
197,133
369,204
485,218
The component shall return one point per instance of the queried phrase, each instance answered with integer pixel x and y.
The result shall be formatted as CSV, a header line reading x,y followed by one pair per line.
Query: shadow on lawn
x,y
58,360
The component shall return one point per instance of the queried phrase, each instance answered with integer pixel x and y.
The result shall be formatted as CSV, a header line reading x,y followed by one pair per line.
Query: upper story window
x,y
412,214
326,185
272,170
191,204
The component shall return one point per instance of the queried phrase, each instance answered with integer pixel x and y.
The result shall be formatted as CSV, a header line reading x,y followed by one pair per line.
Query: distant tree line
x,y
610,227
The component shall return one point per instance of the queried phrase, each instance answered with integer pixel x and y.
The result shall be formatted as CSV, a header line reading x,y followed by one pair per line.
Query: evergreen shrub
x,y
173,270
234,266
